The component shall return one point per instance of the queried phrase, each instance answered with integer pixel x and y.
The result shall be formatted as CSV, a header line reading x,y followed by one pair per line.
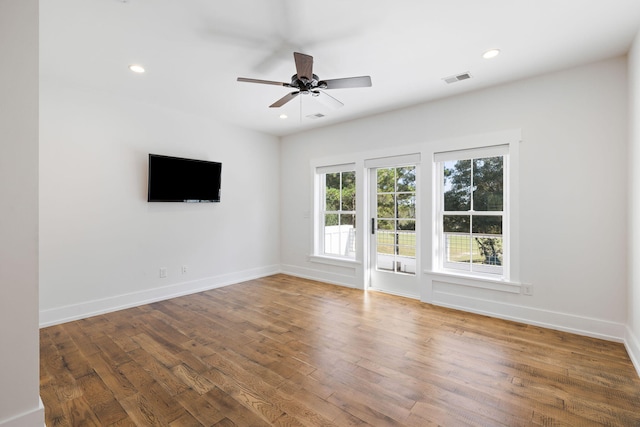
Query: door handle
x,y
373,226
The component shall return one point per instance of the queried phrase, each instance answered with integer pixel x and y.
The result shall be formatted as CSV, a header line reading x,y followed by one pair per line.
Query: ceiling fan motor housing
x,y
306,85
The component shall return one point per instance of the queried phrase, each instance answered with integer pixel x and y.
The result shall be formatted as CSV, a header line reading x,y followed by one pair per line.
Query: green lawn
x,y
459,246
406,243
459,250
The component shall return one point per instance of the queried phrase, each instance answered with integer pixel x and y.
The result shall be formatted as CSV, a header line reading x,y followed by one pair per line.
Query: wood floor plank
x,y
294,352
192,379
185,420
142,411
80,413
200,407
235,412
113,376
159,372
103,403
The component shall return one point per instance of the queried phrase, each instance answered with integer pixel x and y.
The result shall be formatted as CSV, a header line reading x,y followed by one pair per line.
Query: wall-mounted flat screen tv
x,y
174,179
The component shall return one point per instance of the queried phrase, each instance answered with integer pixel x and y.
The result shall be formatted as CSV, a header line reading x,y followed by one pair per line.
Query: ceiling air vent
x,y
457,78
315,116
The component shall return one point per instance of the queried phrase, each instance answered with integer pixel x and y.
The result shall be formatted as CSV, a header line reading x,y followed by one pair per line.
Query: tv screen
x,y
174,179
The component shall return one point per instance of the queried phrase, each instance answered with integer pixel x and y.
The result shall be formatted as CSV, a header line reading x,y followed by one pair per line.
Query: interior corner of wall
x,y
632,344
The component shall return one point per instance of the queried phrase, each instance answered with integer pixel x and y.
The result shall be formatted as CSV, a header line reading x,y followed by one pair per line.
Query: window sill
x,y
341,262
477,282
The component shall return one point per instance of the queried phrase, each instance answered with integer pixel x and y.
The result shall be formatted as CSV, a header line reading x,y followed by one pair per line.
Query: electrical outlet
x,y
527,290
163,272
185,270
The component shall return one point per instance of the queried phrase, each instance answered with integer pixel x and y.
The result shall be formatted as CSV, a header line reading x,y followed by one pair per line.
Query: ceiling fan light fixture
x,y
491,53
139,69
283,116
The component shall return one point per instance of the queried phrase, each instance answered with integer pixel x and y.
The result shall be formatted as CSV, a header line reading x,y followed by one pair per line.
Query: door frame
x,y
406,285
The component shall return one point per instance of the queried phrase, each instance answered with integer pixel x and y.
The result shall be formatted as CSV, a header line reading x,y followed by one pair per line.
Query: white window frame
x,y
509,152
479,270
319,212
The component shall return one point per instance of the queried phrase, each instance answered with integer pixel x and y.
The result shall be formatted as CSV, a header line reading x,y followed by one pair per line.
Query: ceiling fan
x,y
305,82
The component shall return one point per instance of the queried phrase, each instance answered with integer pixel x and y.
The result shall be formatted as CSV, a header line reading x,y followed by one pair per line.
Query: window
x,y
337,213
472,218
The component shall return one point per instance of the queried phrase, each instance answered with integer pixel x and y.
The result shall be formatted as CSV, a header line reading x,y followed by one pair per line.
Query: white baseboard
x,y
321,276
68,313
580,325
34,418
633,348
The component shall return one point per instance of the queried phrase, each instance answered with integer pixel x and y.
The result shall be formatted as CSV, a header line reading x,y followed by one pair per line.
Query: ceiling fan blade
x,y
348,82
329,100
264,82
288,97
304,65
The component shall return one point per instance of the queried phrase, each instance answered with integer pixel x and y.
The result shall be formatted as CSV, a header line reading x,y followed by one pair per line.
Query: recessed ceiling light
x,y
136,68
492,53
283,116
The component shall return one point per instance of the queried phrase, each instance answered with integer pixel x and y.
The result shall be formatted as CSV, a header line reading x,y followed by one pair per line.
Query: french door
x,y
393,233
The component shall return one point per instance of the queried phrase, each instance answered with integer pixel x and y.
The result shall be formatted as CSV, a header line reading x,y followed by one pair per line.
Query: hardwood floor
x,y
293,352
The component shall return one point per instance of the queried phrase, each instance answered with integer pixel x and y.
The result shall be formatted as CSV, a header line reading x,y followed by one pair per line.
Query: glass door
x,y
393,234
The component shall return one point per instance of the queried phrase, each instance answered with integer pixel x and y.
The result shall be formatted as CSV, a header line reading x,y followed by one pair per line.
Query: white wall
x,y
633,333
573,188
19,339
102,244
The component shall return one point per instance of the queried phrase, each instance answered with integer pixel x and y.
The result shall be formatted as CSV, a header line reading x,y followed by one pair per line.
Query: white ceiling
x,y
193,50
